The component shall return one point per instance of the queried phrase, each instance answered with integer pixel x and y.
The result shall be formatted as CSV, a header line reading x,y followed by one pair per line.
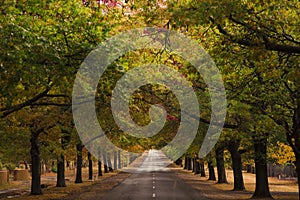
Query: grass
x,y
280,189
53,193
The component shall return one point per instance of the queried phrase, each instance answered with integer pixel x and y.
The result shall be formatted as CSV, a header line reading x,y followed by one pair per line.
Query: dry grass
x,y
280,189
14,184
98,186
21,189
72,189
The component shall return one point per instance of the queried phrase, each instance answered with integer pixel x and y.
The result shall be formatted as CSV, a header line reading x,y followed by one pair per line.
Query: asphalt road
x,y
153,180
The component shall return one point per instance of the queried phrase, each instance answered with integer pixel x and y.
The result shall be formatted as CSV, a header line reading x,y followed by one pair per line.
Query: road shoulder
x,y
212,190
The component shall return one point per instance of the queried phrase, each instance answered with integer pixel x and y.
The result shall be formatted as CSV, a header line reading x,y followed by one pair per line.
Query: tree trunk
x,y
79,164
236,165
185,162
211,172
249,168
65,139
60,181
115,160
109,163
296,137
193,164
119,159
197,166
99,163
179,162
298,172
105,163
90,166
189,163
202,169
220,165
35,164
100,168
261,184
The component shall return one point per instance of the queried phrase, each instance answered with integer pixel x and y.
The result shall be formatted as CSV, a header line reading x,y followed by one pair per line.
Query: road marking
x,y
153,195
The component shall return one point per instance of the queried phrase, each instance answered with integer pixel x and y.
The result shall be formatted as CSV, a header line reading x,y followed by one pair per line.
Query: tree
x,y
66,133
39,125
211,170
220,164
90,166
99,163
185,162
35,161
268,41
189,163
260,31
202,168
197,166
255,45
115,160
79,148
119,159
46,43
105,162
210,162
261,183
60,180
233,148
19,152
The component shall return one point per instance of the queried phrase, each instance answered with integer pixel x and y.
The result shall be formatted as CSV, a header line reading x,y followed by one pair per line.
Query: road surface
x,y
153,180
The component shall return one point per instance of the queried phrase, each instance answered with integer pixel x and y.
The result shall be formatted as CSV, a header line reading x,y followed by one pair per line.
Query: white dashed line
x,y
153,195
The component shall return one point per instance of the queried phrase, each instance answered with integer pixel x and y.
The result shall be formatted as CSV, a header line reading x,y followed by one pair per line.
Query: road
x,y
153,180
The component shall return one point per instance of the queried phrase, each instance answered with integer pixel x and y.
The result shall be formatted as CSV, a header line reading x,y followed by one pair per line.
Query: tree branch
x,y
268,45
8,111
56,95
51,104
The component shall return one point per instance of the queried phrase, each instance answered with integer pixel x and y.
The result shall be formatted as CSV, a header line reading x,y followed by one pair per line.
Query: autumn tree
x,y
43,44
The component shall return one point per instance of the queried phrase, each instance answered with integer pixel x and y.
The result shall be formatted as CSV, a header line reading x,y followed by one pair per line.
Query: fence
x,y
276,170
281,171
